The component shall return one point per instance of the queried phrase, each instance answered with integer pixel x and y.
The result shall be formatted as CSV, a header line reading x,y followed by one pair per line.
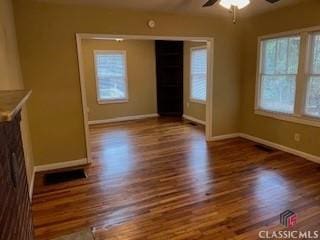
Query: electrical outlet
x,y
297,137
188,104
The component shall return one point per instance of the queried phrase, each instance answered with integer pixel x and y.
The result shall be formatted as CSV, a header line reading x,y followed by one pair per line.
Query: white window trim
x,y
106,101
299,115
190,75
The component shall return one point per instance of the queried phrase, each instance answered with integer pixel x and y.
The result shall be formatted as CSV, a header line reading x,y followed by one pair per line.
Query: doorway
x,y
186,104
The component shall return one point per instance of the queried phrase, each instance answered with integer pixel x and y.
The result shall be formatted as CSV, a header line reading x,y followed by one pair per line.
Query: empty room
x,y
159,119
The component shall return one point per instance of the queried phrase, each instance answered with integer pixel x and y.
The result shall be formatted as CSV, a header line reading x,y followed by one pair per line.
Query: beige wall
x,y
281,132
46,37
10,72
141,79
192,109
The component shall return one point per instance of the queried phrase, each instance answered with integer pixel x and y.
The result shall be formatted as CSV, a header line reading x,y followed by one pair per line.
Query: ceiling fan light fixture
x,y
236,3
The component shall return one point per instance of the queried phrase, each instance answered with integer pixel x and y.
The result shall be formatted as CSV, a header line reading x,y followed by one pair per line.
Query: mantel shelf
x,y
11,103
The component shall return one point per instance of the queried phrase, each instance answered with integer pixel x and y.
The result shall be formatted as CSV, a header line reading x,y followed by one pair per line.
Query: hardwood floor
x,y
160,179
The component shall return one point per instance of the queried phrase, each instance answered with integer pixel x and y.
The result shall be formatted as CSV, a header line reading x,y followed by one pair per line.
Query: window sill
x,y
198,101
305,120
113,101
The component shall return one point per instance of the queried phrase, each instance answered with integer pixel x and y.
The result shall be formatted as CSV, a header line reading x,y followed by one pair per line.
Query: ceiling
x,y
182,6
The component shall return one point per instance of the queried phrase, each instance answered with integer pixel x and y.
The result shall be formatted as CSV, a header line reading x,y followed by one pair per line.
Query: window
x,y
111,76
278,74
288,84
312,107
198,76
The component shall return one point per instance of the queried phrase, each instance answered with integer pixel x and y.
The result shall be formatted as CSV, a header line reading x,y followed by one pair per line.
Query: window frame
x,y
299,115
190,75
117,100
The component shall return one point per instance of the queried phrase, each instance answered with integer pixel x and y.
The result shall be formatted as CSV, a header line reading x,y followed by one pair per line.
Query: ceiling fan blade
x,y
272,1
210,3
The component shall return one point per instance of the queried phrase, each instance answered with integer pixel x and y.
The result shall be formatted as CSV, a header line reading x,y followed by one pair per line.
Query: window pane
x,y
316,55
313,97
279,67
280,56
293,55
269,56
199,74
278,93
111,76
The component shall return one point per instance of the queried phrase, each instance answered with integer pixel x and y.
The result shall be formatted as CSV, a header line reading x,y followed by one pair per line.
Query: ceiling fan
x,y
233,5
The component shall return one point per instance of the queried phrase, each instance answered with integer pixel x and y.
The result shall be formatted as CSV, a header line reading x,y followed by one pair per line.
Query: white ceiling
x,y
182,6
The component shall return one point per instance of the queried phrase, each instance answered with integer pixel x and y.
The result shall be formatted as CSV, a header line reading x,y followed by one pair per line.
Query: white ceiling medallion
x,y
151,24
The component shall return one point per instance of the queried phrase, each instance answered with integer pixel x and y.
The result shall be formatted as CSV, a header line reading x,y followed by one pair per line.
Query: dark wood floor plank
x,y
159,179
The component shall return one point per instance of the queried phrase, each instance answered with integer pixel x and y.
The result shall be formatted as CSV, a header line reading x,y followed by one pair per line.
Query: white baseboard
x,y
122,119
224,137
293,151
192,119
60,165
32,184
